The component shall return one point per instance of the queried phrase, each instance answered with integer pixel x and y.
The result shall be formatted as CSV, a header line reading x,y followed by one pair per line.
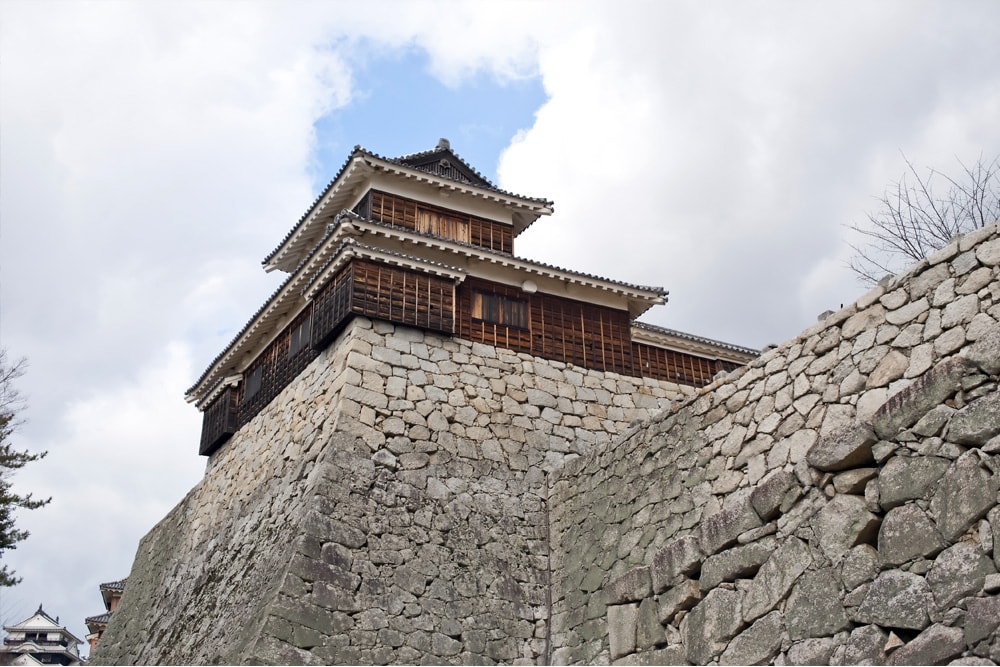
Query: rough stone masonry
x,y
418,499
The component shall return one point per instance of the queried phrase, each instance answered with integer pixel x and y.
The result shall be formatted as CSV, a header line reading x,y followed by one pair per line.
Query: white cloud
x,y
153,153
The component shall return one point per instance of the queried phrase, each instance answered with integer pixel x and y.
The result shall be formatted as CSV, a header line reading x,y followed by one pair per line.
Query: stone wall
x,y
833,503
388,506
419,499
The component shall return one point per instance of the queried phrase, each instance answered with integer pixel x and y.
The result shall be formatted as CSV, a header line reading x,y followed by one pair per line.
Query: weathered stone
x,y
622,624
710,625
964,495
907,313
976,423
853,481
904,408
682,596
859,566
775,578
932,423
981,619
958,571
811,651
989,253
682,556
723,528
905,478
907,533
892,367
766,498
850,447
985,352
843,523
934,646
897,600
632,586
814,607
736,563
757,645
865,646
649,632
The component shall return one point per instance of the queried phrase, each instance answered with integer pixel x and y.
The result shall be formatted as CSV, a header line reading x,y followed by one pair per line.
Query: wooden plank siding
x,y
587,335
220,420
662,364
275,368
562,329
416,216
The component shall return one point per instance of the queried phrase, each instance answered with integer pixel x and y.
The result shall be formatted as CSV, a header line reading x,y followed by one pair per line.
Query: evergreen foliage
x,y
12,460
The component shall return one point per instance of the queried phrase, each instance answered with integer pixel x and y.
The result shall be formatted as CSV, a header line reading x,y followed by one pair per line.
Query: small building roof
x,y
439,167
685,342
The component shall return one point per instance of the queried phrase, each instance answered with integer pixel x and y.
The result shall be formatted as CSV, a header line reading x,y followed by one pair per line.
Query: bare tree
x,y
912,221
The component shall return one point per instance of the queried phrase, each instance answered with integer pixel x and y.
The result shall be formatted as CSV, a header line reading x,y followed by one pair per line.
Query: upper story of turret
x,y
424,240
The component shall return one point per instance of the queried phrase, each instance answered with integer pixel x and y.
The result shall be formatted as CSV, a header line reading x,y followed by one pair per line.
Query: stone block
x,y
849,447
680,597
632,586
737,563
812,651
758,644
975,424
985,352
905,407
649,631
897,599
906,478
815,606
958,572
622,625
843,523
907,533
965,493
934,646
775,578
859,566
723,528
865,646
766,498
682,556
981,619
711,624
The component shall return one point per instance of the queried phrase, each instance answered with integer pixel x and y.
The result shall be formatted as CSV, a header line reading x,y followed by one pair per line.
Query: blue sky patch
x,y
400,108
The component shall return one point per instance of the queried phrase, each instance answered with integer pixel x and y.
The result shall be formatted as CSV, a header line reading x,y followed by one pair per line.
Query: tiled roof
x,y
506,257
403,161
115,585
100,618
695,339
346,216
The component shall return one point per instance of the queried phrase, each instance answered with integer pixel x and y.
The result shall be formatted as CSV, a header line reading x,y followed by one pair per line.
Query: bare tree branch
x,y
911,222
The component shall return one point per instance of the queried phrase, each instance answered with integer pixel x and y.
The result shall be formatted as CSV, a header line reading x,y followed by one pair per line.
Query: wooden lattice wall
x,y
417,216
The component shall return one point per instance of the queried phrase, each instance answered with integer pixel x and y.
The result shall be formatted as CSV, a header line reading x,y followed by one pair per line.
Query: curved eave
x,y
334,251
262,327
347,186
639,297
684,342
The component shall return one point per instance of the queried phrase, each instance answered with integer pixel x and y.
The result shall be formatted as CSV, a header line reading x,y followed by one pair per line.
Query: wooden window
x,y
300,337
253,383
443,225
500,309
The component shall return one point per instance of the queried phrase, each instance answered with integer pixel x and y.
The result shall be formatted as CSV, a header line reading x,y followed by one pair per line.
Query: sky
x,y
151,155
